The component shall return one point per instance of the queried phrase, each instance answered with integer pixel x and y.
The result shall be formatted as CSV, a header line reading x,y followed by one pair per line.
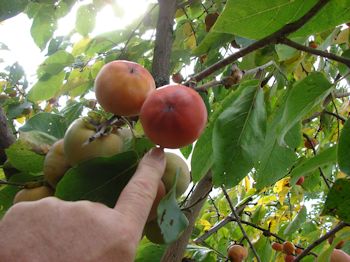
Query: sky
x,y
15,32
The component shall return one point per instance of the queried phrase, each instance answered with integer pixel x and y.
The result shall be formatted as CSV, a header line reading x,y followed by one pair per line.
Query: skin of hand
x,y
54,230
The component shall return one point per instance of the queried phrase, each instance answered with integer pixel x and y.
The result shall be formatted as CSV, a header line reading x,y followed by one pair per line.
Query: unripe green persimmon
x,y
55,164
174,163
32,194
77,149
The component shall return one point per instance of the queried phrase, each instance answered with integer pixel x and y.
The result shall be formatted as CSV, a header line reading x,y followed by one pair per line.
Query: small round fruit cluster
x,y
291,251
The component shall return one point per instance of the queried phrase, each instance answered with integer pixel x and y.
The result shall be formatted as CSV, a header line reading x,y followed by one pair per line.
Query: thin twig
x,y
320,240
314,152
234,212
314,51
3,182
335,115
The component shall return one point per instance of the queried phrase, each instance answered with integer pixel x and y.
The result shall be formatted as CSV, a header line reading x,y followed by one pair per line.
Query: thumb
x,y
136,200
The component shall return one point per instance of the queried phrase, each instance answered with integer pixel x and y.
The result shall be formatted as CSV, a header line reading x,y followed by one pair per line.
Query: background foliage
x,y
286,118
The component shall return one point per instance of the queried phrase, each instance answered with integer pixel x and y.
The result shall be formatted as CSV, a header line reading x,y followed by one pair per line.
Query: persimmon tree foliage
x,y
273,163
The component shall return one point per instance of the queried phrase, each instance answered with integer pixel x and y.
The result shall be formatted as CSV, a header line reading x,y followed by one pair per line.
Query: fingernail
x,y
157,153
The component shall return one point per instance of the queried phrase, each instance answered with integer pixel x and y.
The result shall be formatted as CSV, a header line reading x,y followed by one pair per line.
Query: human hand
x,y
54,230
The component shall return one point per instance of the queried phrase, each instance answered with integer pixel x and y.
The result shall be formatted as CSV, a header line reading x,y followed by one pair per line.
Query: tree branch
x,y
175,251
314,51
270,39
320,240
163,42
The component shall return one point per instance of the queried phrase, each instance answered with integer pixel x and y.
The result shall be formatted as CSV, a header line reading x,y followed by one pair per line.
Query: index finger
x,y
136,200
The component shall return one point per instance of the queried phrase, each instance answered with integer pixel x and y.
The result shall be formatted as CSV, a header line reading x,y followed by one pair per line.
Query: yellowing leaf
x,y
191,42
205,223
248,184
187,29
343,37
80,46
21,120
267,199
281,184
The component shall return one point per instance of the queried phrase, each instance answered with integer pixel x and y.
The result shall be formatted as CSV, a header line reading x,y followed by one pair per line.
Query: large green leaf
x,y
297,222
303,97
338,200
85,21
23,158
44,25
238,136
47,87
72,111
51,124
212,41
256,19
170,218
11,8
55,63
274,163
326,157
275,159
100,179
344,149
202,156
149,252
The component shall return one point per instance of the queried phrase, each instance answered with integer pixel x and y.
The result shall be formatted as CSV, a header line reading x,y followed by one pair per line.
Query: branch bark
x,y
6,136
163,42
175,251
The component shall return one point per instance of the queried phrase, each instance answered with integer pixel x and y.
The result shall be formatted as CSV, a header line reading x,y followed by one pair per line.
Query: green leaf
x,y
47,87
344,149
202,156
11,8
44,25
274,163
15,110
23,158
297,222
72,111
275,160
256,19
338,200
326,157
186,151
85,21
170,218
303,97
7,193
264,249
55,63
212,40
51,124
100,179
149,252
238,136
